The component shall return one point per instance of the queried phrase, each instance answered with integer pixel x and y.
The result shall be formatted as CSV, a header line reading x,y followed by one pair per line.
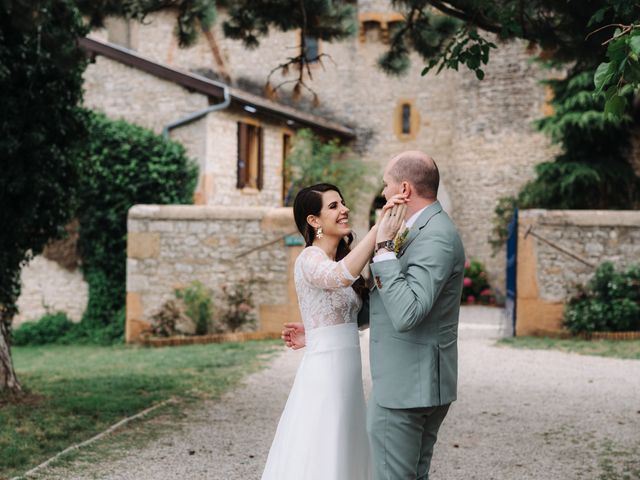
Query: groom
x,y
413,317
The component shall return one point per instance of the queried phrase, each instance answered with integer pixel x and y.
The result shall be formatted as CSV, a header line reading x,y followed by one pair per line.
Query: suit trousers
x,y
402,440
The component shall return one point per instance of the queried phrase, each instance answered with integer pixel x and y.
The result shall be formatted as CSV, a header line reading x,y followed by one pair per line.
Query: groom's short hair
x,y
420,170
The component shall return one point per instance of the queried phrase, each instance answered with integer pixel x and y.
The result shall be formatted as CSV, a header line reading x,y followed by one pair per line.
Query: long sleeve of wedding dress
x,y
320,271
323,290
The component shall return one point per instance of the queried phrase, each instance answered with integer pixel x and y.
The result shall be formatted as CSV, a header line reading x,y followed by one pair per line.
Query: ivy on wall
x,y
123,165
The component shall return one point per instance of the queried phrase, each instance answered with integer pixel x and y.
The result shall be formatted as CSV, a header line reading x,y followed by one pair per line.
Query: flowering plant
x,y
239,308
475,286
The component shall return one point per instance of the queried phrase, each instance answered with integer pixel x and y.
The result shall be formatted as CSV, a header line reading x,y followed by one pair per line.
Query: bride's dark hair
x,y
308,201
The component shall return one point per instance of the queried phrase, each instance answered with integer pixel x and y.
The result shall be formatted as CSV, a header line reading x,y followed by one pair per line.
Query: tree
x,y
621,74
449,33
314,161
41,69
40,90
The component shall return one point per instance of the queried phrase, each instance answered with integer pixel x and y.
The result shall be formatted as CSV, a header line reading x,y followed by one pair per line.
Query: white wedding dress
x,y
322,433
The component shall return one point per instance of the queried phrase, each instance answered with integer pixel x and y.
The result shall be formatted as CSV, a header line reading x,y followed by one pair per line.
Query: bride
x,y
321,434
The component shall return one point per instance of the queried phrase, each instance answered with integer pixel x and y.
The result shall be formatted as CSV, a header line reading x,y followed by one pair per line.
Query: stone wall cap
x,y
207,212
585,218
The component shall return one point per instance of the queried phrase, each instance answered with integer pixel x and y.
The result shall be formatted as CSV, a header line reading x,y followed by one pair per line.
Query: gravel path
x,y
521,414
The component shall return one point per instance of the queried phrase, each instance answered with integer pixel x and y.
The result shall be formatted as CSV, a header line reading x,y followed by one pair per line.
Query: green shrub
x,y
123,165
198,301
314,161
51,328
475,287
609,303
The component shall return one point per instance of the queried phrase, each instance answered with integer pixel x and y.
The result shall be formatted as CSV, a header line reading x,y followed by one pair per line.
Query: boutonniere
x,y
400,239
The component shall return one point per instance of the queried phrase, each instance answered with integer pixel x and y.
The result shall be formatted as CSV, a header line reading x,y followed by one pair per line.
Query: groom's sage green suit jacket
x,y
413,316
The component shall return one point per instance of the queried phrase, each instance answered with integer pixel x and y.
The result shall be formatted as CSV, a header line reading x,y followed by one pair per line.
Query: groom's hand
x,y
293,335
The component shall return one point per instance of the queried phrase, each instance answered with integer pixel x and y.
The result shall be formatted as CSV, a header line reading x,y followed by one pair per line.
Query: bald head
x,y
417,168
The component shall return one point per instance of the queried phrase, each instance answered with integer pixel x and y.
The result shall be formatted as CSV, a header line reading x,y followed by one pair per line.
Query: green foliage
x,y
428,34
123,165
51,328
503,213
249,20
609,303
591,172
198,301
466,47
475,287
40,89
621,74
239,310
313,161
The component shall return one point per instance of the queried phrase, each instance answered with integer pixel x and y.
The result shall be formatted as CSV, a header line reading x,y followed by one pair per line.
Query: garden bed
x,y
204,339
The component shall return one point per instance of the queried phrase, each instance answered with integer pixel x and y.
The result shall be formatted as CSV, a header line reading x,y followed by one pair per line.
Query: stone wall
x,y
49,288
170,247
547,277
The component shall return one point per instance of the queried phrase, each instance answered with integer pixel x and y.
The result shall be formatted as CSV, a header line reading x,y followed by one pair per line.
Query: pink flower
x,y
486,292
492,300
467,263
483,274
471,299
467,282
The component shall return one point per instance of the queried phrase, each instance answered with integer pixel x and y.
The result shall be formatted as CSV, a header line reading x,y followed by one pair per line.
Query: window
x,y
371,31
406,119
286,171
120,32
312,49
249,156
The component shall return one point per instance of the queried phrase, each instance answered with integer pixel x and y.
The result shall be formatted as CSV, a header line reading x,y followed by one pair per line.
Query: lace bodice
x,y
324,290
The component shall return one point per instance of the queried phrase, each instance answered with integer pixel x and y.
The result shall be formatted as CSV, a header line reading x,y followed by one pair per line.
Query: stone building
x,y
210,98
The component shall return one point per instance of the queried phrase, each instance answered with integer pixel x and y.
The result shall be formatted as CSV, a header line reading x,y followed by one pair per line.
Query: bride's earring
x,y
319,233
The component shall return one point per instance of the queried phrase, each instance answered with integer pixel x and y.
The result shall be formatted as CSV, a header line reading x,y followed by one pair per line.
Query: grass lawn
x,y
603,348
75,392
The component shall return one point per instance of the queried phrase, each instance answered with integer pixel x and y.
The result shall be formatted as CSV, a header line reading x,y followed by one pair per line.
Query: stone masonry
x,y
170,247
547,277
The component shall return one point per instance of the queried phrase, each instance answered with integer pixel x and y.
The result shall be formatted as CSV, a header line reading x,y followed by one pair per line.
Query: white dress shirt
x,y
381,257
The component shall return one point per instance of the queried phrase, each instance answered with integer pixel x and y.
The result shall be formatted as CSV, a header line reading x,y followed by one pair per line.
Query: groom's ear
x,y
406,189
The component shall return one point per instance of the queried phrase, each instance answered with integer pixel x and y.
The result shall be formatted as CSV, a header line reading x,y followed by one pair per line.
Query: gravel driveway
x,y
521,414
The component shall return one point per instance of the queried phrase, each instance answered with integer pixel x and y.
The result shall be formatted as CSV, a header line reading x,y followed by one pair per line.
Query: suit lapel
x,y
420,223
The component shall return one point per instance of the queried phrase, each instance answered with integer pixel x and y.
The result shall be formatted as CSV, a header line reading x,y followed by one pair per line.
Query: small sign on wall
x,y
293,241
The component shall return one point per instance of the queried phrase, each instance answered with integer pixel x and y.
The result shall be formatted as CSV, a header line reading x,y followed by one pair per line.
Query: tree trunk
x,y
8,380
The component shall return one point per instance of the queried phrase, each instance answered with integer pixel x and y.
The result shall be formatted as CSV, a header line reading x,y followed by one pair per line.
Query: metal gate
x,y
512,254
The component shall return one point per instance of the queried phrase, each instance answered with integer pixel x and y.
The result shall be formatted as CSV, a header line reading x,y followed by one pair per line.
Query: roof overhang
x,y
252,103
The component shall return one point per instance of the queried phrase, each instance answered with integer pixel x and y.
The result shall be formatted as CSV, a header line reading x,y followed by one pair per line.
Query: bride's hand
x,y
293,335
392,221
399,199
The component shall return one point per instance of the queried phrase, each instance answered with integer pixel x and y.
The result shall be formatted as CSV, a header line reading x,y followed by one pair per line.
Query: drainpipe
x,y
199,114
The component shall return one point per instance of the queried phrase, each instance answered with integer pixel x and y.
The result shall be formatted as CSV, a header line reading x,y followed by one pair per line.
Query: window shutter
x,y
243,155
260,158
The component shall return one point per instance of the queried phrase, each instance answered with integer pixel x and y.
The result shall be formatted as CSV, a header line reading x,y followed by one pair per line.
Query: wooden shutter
x,y
243,154
260,158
